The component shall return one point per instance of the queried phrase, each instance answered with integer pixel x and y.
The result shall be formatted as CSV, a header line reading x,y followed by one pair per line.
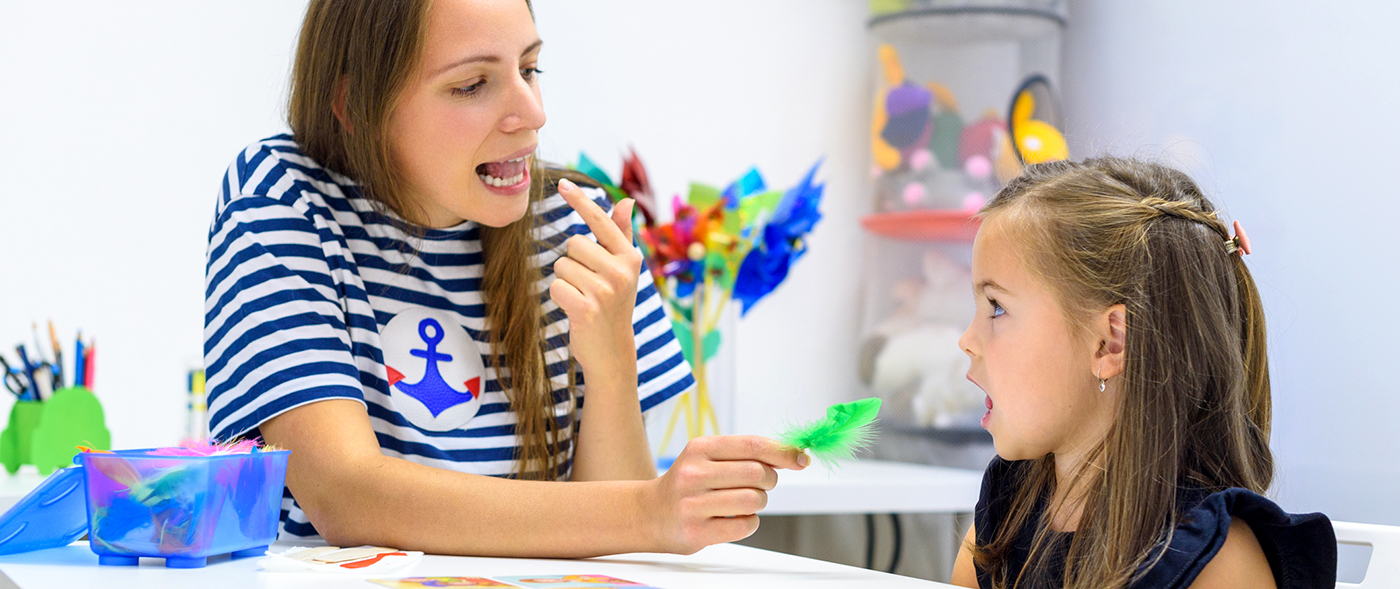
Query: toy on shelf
x,y
1036,141
915,140
182,504
926,157
721,244
912,358
985,149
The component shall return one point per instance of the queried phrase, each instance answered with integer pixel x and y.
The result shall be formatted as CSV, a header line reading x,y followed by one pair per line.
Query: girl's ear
x,y
1112,333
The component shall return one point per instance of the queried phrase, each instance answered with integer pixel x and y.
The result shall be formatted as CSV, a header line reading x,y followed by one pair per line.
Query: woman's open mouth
x,y
507,176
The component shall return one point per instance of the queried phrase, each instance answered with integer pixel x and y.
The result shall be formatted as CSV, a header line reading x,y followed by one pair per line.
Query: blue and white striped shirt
x,y
310,294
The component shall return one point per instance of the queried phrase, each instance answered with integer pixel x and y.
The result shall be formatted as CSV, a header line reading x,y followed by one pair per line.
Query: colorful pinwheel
x,y
738,242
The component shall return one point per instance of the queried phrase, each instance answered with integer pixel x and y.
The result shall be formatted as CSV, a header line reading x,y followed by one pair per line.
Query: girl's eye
x,y
529,73
997,311
469,90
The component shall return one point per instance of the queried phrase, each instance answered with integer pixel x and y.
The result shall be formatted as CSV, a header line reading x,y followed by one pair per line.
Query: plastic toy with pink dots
x,y
964,99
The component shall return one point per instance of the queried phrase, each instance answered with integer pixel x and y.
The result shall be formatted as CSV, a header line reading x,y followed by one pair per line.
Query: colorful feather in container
x,y
208,448
847,428
162,503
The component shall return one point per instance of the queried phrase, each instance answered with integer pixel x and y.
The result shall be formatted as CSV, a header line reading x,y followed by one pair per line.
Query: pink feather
x,y
208,448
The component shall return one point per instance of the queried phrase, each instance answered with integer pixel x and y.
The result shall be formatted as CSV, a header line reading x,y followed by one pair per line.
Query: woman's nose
x,y
524,109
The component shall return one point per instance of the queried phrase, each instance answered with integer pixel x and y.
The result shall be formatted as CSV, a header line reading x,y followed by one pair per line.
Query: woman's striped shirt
x,y
310,294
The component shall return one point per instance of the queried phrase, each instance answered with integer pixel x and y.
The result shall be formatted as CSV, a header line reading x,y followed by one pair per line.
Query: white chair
x,y
1384,568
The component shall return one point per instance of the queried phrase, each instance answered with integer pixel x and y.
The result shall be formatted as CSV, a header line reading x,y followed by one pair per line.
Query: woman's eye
x,y
997,311
469,90
529,73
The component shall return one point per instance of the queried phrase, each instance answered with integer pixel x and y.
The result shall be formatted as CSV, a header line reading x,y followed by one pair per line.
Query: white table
x,y
875,486
728,566
863,486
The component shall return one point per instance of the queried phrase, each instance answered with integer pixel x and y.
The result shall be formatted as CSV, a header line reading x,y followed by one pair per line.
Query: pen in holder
x,y
47,433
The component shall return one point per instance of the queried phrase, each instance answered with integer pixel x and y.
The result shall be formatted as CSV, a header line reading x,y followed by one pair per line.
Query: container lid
x,y
52,515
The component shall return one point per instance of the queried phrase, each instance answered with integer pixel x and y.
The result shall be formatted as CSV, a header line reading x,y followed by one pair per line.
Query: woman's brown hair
x,y
365,53
1195,404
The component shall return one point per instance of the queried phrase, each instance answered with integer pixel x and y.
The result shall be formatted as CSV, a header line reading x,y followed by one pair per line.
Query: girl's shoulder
x,y
1301,548
1000,481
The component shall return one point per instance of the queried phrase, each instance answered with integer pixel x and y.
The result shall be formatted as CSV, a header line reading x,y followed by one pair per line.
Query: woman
x,y
377,304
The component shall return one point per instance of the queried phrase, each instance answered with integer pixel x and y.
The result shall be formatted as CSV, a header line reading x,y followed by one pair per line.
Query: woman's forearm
x,y
393,502
612,439
354,494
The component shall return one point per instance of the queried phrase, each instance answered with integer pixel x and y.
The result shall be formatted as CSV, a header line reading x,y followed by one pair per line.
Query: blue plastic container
x,y
181,508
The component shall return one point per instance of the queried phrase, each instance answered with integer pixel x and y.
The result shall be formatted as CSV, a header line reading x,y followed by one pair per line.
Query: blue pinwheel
x,y
781,243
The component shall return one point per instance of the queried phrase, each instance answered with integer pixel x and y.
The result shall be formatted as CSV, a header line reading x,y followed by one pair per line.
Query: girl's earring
x,y
1103,385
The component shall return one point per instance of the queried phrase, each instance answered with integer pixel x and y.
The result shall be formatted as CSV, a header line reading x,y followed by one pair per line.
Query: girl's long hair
x,y
369,51
1195,409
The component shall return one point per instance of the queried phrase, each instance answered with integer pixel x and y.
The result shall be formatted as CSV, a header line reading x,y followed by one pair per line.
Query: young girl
x,y
1120,342
400,294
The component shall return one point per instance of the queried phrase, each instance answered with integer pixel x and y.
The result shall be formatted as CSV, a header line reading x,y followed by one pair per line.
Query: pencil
x,y
90,365
28,371
57,357
79,378
39,357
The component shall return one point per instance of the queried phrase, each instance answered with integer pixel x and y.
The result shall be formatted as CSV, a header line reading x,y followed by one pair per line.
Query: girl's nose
x,y
966,342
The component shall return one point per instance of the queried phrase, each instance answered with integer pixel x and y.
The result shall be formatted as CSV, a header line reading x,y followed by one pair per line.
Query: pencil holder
x,y
16,443
47,434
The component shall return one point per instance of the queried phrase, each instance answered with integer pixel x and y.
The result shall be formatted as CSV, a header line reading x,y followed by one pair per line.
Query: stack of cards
x,y
528,582
363,559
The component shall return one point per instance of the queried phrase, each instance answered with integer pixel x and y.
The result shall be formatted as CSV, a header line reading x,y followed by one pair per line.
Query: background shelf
x,y
952,435
927,225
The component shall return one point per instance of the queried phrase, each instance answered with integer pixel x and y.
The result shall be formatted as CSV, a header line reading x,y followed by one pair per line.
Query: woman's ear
x,y
338,105
1111,331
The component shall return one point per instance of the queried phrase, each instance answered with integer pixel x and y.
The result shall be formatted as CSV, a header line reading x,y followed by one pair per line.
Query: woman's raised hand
x,y
715,487
596,283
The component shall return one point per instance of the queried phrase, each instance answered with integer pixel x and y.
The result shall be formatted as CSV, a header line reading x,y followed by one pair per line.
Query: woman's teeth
x,y
506,173
494,181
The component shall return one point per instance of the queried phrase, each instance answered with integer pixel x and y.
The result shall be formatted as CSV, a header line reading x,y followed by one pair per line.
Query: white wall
x,y
1287,113
703,91
116,122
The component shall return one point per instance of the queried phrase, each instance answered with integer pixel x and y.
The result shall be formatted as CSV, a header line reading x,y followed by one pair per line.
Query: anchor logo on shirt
x,y
432,391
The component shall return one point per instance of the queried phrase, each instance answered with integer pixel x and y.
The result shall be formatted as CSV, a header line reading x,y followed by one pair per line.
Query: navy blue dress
x,y
1302,549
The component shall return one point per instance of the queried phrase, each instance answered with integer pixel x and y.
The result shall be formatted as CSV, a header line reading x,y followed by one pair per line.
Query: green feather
x,y
848,427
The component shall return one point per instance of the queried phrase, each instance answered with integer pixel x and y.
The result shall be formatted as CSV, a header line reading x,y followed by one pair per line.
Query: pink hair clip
x,y
1239,243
